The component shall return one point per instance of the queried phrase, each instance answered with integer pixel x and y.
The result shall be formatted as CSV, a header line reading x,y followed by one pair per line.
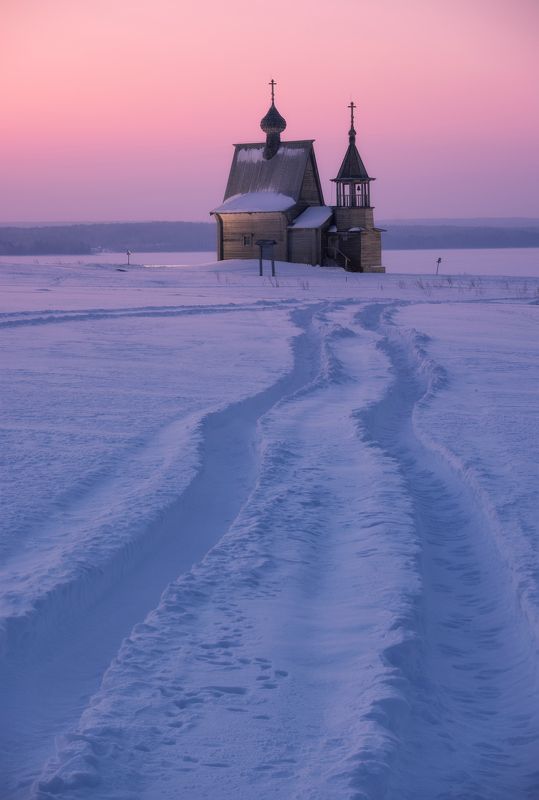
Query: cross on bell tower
x,y
352,131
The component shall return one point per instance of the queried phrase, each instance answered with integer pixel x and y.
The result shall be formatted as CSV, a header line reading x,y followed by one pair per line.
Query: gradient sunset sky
x,y
127,109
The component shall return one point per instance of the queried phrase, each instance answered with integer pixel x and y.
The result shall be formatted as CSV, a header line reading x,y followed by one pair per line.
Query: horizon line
x,y
58,223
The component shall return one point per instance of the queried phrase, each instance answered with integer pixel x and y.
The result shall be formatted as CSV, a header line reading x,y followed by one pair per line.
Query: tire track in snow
x,y
56,655
58,316
472,677
256,674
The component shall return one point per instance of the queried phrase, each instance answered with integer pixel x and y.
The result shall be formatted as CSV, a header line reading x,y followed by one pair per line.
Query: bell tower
x,y
357,240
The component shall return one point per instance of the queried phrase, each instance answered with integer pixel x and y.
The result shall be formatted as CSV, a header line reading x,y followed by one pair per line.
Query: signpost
x,y
266,252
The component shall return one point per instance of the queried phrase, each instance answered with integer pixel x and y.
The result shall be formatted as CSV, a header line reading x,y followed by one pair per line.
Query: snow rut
x,y
58,316
472,675
56,653
260,672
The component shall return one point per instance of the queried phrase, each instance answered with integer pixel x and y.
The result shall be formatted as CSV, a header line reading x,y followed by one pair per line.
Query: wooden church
x,y
274,193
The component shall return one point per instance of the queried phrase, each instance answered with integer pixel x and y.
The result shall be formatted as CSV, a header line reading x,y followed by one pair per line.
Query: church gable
x,y
277,181
311,190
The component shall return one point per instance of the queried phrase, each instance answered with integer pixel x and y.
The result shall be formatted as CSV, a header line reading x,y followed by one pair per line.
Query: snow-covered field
x,y
523,261
268,538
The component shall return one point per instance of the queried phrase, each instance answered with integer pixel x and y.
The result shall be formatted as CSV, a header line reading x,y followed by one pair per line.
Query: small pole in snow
x,y
128,254
438,262
266,252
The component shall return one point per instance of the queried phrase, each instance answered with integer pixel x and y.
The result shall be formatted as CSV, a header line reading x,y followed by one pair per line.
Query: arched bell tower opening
x,y
353,194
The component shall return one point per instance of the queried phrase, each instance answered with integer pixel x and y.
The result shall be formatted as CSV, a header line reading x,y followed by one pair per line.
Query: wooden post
x,y
266,251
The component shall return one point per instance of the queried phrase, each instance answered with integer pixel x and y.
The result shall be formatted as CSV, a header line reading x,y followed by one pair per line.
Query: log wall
x,y
263,225
346,218
371,251
303,246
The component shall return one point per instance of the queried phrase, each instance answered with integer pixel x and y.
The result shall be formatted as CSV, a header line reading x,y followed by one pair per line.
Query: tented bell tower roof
x,y
352,167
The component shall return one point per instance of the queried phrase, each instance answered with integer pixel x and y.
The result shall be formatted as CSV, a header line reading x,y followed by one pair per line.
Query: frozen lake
x,y
511,261
505,262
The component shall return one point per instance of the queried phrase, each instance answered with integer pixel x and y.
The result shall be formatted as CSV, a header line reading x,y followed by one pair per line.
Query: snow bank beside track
x,y
473,680
480,413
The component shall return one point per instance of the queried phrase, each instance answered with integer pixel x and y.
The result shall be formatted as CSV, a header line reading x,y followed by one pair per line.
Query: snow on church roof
x,y
256,201
252,174
313,217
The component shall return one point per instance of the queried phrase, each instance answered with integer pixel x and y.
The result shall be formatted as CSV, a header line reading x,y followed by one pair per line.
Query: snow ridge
x,y
470,672
435,379
50,316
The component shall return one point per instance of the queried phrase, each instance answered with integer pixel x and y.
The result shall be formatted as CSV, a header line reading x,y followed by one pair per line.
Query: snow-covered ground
x,y
269,538
523,261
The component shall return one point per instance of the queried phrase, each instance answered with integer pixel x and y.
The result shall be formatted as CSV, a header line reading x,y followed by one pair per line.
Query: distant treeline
x,y
147,237
144,237
458,237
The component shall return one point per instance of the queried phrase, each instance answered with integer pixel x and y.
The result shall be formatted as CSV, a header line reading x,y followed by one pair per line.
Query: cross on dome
x,y
273,124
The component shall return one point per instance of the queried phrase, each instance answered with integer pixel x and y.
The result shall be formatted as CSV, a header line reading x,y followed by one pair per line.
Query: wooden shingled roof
x,y
252,174
352,167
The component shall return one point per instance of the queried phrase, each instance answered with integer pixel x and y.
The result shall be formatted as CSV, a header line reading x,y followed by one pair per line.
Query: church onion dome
x,y
273,122
272,125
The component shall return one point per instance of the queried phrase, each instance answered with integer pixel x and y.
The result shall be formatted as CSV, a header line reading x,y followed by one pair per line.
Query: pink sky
x,y
127,109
